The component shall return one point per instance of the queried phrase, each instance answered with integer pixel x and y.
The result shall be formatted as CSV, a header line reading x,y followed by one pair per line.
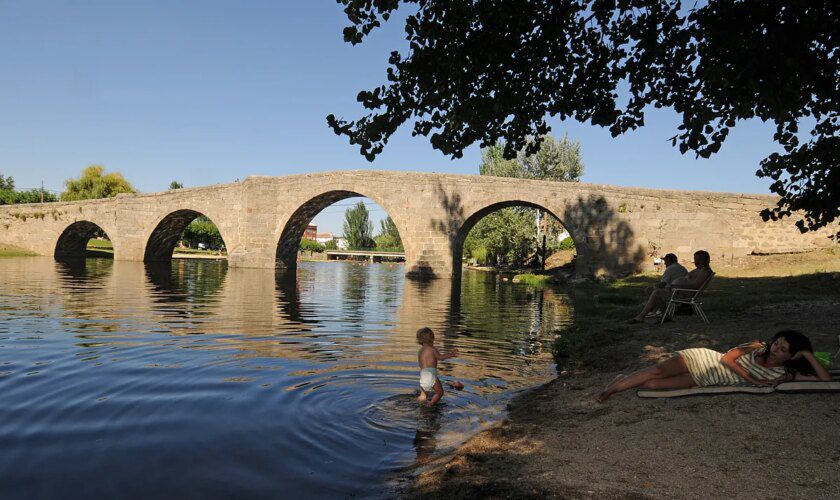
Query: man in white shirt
x,y
673,270
658,295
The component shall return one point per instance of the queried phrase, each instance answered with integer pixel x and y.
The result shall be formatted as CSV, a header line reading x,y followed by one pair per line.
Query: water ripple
x,y
119,379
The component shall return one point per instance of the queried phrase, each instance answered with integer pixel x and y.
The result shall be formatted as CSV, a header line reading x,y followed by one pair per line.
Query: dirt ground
x,y
558,442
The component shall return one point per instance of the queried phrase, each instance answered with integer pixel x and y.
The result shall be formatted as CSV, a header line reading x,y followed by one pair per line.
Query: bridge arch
x,y
167,232
73,240
479,213
293,230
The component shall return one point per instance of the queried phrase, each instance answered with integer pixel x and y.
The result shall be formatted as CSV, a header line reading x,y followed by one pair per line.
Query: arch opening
x,y
515,235
318,230
83,239
188,232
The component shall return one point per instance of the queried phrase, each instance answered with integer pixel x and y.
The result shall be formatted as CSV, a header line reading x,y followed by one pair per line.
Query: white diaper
x,y
428,377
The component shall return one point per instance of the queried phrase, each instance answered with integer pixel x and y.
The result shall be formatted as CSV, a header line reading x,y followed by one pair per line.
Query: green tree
x,y
202,230
310,246
331,244
389,236
94,183
358,228
510,236
176,185
7,183
479,71
9,197
506,237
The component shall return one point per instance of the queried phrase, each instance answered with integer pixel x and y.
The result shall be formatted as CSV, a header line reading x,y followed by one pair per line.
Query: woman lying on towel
x,y
789,356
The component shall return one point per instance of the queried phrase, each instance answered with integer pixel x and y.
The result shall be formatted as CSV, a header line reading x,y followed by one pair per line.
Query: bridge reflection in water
x,y
287,370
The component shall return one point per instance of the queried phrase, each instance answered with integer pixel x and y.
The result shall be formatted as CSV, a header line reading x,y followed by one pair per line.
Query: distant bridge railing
x,y
369,255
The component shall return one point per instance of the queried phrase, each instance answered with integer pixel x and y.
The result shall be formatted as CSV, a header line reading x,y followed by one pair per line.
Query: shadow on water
x,y
83,282
288,296
175,280
185,290
92,271
425,438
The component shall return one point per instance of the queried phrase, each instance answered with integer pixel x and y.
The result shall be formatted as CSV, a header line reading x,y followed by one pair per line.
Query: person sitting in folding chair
x,y
692,281
673,271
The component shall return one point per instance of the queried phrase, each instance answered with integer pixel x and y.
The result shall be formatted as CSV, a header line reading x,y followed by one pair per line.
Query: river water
x,y
193,380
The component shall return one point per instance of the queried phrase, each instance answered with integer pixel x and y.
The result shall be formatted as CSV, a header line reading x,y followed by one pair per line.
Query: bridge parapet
x,y
616,229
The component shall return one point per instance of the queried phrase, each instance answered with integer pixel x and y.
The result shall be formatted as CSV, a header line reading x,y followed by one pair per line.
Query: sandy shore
x,y
558,442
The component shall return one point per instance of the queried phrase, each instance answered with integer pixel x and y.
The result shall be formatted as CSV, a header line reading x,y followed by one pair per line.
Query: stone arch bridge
x,y
616,230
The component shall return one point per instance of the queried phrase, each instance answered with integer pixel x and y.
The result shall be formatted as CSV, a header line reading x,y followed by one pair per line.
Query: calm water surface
x,y
192,380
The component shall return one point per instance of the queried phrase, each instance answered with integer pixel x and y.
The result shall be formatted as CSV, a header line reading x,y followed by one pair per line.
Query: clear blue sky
x,y
206,92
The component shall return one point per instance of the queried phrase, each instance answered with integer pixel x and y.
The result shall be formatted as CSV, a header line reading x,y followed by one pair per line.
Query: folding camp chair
x,y
687,296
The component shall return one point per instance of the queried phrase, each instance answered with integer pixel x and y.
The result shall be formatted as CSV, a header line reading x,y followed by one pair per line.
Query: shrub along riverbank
x,y
559,442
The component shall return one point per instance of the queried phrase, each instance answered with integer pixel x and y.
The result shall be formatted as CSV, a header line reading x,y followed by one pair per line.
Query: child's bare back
x,y
428,357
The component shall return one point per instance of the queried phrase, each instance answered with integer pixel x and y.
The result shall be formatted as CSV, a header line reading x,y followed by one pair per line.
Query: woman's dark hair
x,y
797,341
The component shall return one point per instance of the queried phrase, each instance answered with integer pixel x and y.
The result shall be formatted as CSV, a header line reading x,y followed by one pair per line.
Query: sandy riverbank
x,y
557,442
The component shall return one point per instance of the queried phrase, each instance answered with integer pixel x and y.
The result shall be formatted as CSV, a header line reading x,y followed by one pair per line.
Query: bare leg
x,y
422,397
655,301
671,367
683,381
438,393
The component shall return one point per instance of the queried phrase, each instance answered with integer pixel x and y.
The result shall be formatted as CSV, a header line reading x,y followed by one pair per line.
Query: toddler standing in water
x,y
428,357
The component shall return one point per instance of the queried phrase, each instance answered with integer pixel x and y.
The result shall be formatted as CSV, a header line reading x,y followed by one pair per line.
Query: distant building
x,y
311,232
324,237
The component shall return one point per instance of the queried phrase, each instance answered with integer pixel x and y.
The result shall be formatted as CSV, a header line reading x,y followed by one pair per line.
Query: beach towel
x,y
809,386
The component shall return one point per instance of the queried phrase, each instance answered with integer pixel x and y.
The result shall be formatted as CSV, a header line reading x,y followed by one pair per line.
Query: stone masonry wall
x,y
616,229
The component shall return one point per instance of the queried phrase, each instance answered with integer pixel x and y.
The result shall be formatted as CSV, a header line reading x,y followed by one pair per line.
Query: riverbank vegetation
x,y
9,195
513,237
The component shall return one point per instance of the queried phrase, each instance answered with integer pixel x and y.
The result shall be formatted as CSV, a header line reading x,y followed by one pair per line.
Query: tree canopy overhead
x,y
482,70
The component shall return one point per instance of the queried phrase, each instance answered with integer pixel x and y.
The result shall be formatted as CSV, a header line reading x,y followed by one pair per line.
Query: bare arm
x,y
443,357
822,373
730,361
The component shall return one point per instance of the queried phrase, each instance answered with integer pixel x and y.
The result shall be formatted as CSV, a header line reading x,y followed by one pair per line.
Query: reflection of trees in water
x,y
354,291
83,282
186,287
184,279
388,284
497,310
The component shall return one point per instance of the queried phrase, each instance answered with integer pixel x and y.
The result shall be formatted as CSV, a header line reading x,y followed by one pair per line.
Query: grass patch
x,y
531,279
13,251
198,251
601,308
97,244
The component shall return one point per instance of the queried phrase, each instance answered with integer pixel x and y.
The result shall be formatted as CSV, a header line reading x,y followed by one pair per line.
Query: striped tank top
x,y
706,369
